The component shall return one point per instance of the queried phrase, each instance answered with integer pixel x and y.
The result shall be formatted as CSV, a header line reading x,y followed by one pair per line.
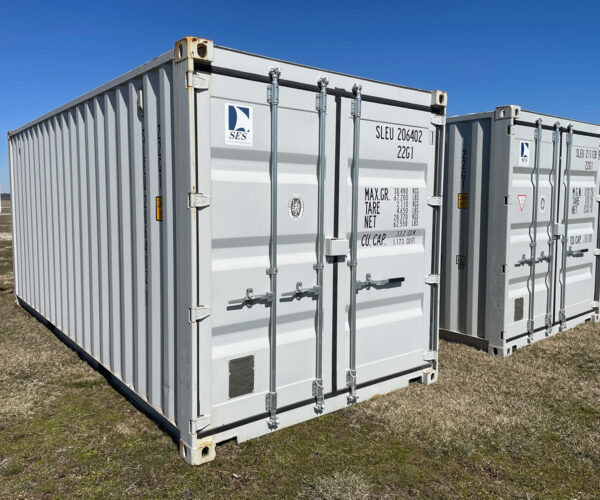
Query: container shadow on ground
x,y
525,426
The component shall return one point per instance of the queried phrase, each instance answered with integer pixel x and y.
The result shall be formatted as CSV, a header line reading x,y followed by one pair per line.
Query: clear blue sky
x,y
541,55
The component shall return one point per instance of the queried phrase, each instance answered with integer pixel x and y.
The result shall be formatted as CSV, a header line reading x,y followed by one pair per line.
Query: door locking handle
x,y
523,261
300,292
543,257
250,299
576,253
369,282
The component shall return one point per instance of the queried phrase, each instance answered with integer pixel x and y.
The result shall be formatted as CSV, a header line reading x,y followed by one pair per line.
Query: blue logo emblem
x,y
524,154
238,124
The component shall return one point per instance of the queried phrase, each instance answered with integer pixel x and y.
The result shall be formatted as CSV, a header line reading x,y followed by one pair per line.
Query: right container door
x,y
394,241
578,223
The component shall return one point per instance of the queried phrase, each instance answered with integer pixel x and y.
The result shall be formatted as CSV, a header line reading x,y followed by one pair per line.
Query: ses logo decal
x,y
238,125
524,154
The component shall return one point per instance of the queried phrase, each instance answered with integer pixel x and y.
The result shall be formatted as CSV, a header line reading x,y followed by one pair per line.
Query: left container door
x,y
241,233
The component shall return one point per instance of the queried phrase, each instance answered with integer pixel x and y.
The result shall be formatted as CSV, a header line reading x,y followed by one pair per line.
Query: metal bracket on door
x,y
199,313
198,200
200,423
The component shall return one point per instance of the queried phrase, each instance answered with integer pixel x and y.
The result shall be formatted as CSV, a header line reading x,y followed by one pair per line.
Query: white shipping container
x,y
243,243
521,242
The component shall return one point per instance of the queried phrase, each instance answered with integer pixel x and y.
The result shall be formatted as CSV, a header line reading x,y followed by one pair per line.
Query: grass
x,y
523,427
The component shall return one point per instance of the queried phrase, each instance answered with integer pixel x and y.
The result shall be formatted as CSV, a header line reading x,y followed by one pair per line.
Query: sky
x,y
543,56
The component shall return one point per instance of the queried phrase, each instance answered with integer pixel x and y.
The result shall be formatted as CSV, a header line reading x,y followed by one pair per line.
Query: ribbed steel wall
x,y
90,255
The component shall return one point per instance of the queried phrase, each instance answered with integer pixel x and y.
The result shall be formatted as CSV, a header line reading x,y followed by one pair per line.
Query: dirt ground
x,y
527,426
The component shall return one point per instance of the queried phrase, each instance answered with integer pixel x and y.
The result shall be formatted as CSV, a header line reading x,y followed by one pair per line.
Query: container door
x,y
396,158
241,121
532,203
578,217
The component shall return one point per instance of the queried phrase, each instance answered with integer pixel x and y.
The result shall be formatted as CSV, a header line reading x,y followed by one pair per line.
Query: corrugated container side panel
x,y
38,239
13,147
59,236
39,217
114,329
478,224
25,206
168,242
153,242
67,238
46,249
102,331
76,280
126,264
55,216
85,320
98,258
33,209
139,254
465,229
95,263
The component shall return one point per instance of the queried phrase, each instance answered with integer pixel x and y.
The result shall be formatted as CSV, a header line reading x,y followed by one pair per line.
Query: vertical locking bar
x,y
351,374
322,110
565,235
553,178
271,398
535,180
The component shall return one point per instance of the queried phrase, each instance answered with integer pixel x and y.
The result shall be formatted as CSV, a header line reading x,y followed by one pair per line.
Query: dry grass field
x,y
523,427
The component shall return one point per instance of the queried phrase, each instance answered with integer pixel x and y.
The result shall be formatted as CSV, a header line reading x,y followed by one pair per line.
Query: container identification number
x,y
587,154
390,133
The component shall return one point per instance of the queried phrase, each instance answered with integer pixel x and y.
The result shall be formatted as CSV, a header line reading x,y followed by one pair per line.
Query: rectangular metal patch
x,y
241,376
519,309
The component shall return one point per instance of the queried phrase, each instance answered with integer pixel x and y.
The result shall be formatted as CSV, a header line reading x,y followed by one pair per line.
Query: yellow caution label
x,y
159,212
463,200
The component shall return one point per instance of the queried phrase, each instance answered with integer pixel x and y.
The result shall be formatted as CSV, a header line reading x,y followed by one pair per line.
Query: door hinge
x,y
197,81
432,279
199,423
438,120
595,304
435,201
198,200
199,313
598,198
430,356
597,252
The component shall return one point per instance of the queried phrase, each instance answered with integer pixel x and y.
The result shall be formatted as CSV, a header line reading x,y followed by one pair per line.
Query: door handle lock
x,y
576,253
523,261
300,292
543,257
369,282
250,299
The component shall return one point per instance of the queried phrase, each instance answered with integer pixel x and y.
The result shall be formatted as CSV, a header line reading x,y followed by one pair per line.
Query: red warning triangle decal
x,y
522,198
